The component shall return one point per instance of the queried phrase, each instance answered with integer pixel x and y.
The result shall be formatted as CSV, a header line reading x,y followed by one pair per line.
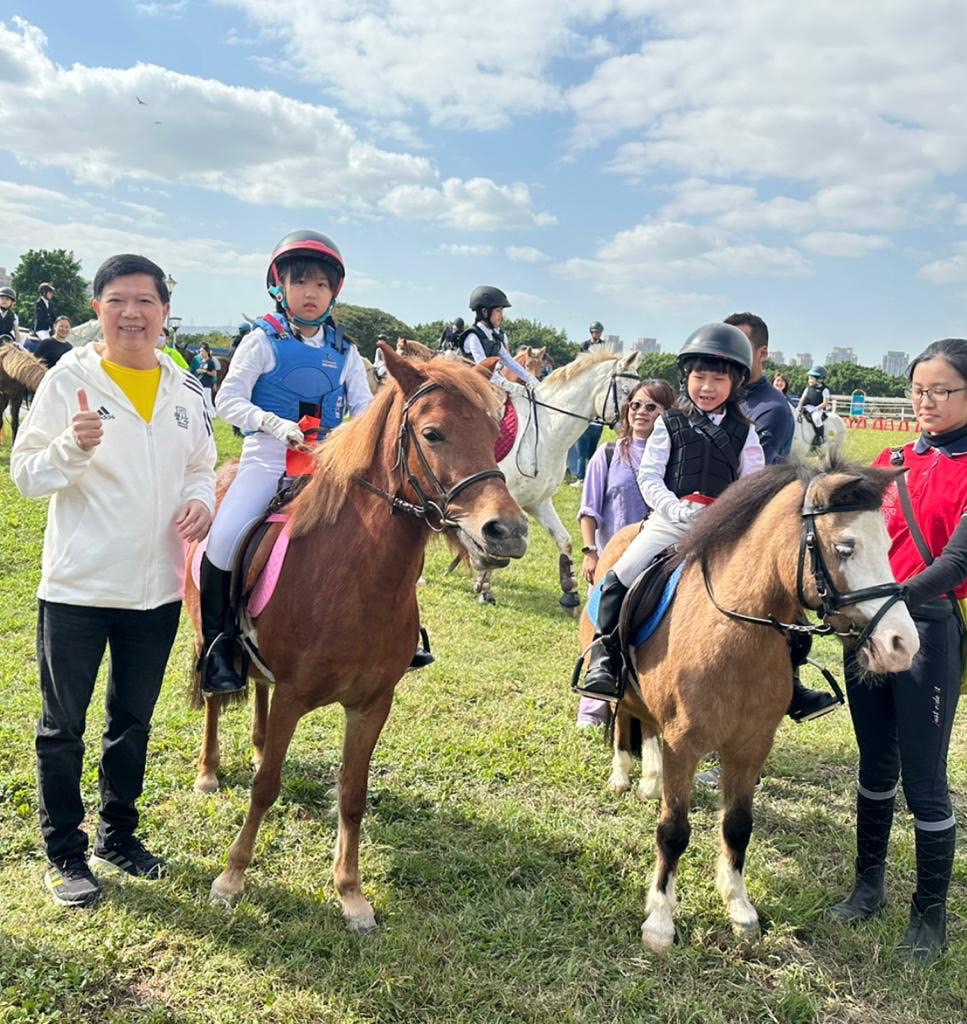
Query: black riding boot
x,y
926,935
807,704
874,819
602,679
217,662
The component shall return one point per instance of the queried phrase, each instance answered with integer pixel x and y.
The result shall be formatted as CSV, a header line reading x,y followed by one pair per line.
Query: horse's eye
x,y
432,435
844,548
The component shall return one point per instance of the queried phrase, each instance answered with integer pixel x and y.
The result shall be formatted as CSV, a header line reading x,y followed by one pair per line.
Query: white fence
x,y
876,408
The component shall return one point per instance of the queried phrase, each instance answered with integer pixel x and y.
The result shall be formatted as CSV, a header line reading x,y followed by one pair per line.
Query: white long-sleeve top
x,y
654,463
475,350
111,540
255,357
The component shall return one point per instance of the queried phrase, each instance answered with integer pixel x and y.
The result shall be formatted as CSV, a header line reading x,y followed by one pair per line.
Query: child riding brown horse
x,y
343,620
717,672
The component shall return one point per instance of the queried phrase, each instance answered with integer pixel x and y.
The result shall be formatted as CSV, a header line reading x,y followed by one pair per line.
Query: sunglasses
x,y
647,406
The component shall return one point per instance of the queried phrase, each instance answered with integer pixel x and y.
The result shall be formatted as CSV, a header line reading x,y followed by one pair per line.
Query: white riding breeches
x,y
817,415
657,534
244,503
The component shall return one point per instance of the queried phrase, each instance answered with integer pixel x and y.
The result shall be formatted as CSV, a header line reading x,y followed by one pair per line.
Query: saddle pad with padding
x,y
508,431
646,602
641,628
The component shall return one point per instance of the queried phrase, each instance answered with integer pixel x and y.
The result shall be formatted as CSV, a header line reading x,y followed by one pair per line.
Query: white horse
x,y
802,439
591,387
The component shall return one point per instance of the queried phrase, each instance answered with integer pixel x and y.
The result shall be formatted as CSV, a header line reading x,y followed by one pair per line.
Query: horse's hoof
x,y
657,938
205,785
365,925
618,784
485,597
746,931
570,599
225,898
649,789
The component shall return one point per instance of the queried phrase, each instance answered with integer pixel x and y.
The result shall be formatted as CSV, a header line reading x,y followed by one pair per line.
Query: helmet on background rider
x,y
311,245
596,325
819,372
8,293
244,327
718,341
45,287
382,337
487,297
458,323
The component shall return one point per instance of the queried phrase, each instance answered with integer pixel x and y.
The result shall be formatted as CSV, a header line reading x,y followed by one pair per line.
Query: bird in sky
x,y
140,101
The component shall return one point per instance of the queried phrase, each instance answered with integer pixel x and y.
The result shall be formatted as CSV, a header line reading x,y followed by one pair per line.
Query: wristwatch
x,y
589,550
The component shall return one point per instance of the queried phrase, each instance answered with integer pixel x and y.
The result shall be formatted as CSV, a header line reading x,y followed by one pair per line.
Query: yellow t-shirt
x,y
140,386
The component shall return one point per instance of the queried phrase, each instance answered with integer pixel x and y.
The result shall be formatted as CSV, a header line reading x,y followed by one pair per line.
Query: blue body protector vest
x,y
306,381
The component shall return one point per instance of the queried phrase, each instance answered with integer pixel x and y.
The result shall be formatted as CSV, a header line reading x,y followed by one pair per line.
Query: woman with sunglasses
x,y
611,498
903,722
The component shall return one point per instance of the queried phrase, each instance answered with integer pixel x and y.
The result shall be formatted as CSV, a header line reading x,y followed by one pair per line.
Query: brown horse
x,y
343,621
707,680
20,372
532,359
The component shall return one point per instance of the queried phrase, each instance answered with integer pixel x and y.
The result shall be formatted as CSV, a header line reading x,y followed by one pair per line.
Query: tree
x,y
663,365
363,323
63,271
522,332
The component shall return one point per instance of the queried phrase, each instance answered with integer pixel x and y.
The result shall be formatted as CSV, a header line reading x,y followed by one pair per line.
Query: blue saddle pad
x,y
654,620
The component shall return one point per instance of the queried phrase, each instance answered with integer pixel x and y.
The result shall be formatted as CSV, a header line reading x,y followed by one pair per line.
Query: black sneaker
x,y
72,884
129,856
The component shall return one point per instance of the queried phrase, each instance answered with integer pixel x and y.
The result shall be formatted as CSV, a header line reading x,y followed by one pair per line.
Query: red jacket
x,y
938,492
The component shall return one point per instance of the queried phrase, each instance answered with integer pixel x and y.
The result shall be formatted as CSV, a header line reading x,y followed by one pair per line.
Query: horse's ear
x,y
487,366
631,360
405,373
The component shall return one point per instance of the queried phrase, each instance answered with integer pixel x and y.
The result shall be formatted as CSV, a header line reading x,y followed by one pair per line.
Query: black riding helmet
x,y
718,341
8,293
485,296
596,325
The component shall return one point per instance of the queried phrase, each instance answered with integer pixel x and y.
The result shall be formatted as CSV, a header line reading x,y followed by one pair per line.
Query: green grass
x,y
508,883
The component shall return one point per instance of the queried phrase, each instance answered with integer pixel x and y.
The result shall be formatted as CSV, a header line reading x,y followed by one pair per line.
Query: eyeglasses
x,y
934,394
647,406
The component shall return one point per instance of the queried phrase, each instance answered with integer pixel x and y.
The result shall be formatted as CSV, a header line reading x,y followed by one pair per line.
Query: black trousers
x,y
903,723
70,647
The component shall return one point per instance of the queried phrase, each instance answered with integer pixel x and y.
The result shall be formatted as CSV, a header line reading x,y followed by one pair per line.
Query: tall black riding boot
x,y
217,662
874,819
926,935
602,679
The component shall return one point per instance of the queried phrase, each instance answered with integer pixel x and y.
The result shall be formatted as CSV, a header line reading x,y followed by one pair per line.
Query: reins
x,y
435,510
831,600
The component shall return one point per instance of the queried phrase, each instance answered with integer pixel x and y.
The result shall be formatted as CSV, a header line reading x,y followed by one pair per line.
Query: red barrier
x,y
879,423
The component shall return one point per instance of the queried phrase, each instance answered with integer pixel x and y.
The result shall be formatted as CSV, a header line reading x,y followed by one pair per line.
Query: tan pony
x,y
708,682
343,621
20,372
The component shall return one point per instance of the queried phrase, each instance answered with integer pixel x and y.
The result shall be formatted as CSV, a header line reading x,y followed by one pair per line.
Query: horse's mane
x,y
413,349
569,371
25,368
724,523
350,450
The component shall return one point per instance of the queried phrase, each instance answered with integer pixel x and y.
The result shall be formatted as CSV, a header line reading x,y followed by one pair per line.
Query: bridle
x,y
602,420
434,509
832,601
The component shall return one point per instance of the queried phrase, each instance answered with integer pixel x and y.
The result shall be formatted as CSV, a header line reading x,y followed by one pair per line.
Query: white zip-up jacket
x,y
111,540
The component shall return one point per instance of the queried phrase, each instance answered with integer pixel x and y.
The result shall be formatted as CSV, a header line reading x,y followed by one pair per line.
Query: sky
x,y
652,164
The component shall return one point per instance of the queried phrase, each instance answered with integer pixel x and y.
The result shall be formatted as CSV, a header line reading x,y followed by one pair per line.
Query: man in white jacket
x,y
119,439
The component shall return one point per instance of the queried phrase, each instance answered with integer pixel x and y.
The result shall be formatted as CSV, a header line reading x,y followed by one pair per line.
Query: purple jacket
x,y
611,496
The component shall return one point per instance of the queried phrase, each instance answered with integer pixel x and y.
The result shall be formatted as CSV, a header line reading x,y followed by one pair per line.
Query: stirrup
x,y
620,678
205,684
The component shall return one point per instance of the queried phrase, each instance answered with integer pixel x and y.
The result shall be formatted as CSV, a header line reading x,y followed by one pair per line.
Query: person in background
x,y
579,454
450,338
611,498
123,502
904,721
207,373
43,314
243,328
815,403
8,318
167,346
486,338
780,383
50,350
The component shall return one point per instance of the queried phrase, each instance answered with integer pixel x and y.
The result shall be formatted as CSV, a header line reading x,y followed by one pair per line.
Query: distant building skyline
x,y
841,354
895,363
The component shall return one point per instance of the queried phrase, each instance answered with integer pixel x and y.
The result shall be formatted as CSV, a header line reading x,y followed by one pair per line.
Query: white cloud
x,y
475,205
525,254
172,9
453,249
843,243
951,270
220,138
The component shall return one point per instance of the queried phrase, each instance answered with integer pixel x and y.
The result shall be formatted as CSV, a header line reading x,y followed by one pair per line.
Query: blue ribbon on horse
x,y
653,621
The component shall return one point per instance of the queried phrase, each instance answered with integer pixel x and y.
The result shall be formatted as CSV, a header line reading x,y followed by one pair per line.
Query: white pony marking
x,y
620,781
649,785
658,929
731,886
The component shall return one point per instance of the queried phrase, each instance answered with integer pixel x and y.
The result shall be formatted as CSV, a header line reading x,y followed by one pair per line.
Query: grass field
x,y
509,885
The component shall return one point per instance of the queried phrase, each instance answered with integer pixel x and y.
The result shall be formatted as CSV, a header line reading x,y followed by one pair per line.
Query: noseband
x,y
433,509
831,600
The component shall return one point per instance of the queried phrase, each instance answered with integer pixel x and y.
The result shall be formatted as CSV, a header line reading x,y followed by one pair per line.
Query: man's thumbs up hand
x,y
85,424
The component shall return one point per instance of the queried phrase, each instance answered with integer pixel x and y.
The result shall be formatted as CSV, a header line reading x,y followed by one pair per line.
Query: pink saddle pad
x,y
265,585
